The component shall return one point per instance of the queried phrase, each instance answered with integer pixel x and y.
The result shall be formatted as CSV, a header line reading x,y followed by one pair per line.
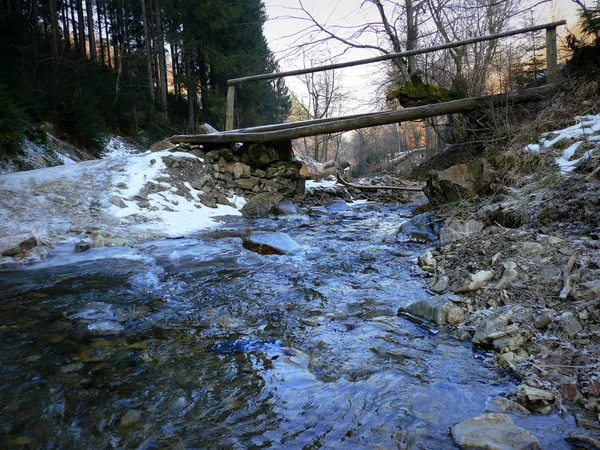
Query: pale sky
x,y
283,31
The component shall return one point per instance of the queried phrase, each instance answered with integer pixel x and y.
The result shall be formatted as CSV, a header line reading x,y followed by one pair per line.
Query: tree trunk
x,y
99,12
148,52
90,22
74,26
191,94
160,48
81,26
107,36
65,20
412,34
174,67
54,26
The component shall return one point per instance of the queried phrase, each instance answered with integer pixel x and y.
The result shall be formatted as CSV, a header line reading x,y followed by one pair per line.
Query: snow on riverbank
x,y
585,133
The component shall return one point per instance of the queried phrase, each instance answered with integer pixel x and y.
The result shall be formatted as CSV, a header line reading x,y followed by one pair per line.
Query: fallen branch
x,y
568,283
394,188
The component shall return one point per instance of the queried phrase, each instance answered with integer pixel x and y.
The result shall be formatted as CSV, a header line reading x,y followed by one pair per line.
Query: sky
x,y
285,29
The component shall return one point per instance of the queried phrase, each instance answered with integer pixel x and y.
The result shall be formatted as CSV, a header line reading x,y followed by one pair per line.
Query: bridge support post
x,y
230,106
551,56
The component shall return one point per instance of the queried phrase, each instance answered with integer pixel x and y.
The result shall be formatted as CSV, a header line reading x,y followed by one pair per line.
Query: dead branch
x,y
394,188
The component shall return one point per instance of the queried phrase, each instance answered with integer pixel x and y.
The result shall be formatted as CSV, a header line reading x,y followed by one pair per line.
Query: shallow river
x,y
199,343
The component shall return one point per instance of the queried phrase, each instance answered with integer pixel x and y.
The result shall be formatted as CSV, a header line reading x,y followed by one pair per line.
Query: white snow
x,y
118,146
321,184
586,129
66,160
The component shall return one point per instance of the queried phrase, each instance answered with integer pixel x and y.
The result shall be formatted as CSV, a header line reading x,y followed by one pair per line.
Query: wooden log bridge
x,y
306,128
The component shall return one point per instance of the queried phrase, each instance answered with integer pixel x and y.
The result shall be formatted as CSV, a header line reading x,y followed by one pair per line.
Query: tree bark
x,y
65,20
148,52
54,26
74,26
107,37
81,27
90,22
191,94
102,52
160,48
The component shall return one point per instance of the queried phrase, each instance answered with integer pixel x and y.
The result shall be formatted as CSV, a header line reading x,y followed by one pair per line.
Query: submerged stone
x,y
272,243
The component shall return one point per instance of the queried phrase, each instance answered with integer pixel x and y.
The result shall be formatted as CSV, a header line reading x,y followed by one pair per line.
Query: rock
x,y
222,200
241,170
439,309
199,182
208,200
82,246
587,291
510,342
454,230
337,206
509,275
288,169
423,227
206,128
493,431
13,245
101,238
569,324
439,284
458,182
544,319
476,282
131,417
584,442
165,144
426,260
315,170
213,156
260,205
247,183
287,208
271,243
502,404
259,155
317,211
281,185
534,399
530,248
488,328
118,202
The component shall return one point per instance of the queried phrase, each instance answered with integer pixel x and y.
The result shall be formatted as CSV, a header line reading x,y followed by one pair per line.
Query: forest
x,y
137,68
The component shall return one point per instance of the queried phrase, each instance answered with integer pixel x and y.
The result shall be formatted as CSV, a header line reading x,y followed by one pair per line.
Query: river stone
x,y
488,328
260,205
492,431
476,282
287,208
271,243
13,245
502,404
458,182
423,227
439,309
454,230
439,284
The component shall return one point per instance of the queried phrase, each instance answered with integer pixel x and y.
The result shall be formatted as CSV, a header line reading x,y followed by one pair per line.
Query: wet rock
x,y
337,206
317,211
118,202
492,431
488,328
584,442
13,245
458,182
544,319
72,367
535,399
102,238
439,284
502,404
423,227
509,275
260,205
288,208
439,309
454,230
272,243
82,246
131,417
426,260
476,282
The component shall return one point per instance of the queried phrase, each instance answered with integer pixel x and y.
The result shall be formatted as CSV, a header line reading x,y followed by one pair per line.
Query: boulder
x,y
287,208
439,284
158,146
288,169
260,155
439,309
423,227
247,183
13,245
454,230
458,182
316,170
492,431
260,205
241,170
271,243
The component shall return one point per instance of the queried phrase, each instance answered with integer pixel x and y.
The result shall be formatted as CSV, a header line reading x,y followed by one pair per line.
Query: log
x,y
394,188
567,281
347,124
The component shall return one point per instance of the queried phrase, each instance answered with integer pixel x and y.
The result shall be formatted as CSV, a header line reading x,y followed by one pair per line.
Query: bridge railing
x,y
551,61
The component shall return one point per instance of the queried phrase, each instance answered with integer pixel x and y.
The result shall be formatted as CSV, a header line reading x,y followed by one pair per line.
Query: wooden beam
x,y
230,107
389,56
363,121
551,56
392,188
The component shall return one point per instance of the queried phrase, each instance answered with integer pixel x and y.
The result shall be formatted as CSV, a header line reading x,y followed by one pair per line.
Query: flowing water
x,y
200,343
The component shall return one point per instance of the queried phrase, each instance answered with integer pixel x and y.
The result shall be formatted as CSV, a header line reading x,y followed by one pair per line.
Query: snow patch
x,y
321,184
119,146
